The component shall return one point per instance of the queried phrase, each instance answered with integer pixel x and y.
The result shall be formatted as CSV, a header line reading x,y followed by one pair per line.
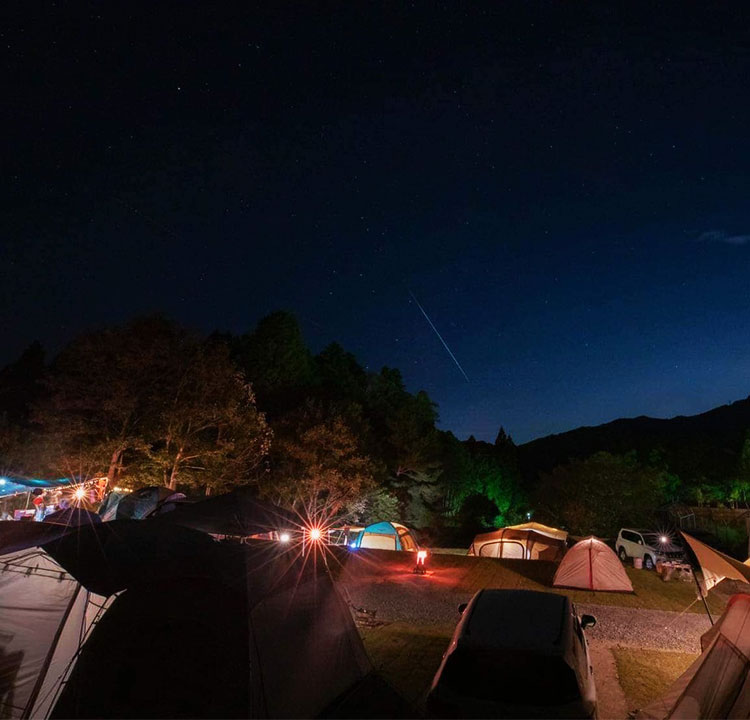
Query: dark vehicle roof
x,y
519,619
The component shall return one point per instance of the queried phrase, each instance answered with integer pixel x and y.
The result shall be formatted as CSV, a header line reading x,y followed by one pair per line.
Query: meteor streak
x,y
445,344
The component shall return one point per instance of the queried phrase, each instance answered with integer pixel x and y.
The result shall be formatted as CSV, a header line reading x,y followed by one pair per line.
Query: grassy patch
x,y
646,674
650,591
406,657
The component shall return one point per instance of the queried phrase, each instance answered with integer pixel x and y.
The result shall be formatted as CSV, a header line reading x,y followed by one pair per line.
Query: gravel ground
x,y
653,629
414,601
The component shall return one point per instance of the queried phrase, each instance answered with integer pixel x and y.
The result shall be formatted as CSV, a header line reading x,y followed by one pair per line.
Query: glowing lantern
x,y
79,494
284,537
420,568
315,534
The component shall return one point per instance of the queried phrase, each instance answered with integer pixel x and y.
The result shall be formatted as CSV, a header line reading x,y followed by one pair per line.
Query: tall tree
x,y
318,463
94,410
276,361
205,429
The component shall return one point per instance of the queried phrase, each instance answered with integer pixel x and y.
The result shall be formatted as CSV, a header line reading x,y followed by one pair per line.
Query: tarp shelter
x,y
717,684
15,485
591,565
530,541
715,565
45,615
386,536
205,629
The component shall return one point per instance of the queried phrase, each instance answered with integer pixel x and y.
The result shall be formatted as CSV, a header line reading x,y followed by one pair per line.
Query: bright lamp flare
x,y
79,494
664,539
285,537
315,534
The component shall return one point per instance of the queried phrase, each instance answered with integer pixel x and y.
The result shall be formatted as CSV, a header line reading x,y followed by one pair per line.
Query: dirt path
x,y
611,698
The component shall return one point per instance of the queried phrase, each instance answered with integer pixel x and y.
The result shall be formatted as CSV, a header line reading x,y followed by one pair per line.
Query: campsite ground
x,y
641,643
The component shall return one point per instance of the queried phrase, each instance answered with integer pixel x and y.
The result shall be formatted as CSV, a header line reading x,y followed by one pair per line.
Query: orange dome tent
x,y
591,565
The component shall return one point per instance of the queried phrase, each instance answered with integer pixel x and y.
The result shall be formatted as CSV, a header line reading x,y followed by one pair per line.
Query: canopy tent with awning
x,y
717,684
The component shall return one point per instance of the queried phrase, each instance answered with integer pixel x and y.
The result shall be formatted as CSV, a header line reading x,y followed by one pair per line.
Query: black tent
x,y
238,513
205,629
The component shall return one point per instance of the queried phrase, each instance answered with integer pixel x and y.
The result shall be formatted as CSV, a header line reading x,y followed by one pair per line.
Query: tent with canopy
x,y
717,684
591,565
529,541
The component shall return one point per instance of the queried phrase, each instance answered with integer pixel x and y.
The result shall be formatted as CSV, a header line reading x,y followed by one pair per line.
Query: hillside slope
x,y
704,445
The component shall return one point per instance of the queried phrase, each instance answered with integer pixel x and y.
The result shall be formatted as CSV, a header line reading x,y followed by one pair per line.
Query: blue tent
x,y
386,536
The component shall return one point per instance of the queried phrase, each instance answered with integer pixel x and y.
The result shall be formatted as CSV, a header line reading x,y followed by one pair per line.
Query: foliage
x,y
483,482
152,403
600,494
275,359
206,429
317,463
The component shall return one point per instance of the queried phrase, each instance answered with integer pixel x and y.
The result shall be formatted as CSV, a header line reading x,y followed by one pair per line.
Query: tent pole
x,y
702,596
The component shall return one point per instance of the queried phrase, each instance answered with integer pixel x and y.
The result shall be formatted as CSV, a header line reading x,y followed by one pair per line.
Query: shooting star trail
x,y
445,344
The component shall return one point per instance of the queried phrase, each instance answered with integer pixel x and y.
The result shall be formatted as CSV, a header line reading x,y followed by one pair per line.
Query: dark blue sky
x,y
564,188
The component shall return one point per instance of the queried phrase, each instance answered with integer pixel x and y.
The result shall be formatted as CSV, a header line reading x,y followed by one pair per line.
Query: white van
x,y
647,545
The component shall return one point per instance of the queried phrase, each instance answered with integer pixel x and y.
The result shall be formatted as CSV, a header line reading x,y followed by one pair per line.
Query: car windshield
x,y
511,678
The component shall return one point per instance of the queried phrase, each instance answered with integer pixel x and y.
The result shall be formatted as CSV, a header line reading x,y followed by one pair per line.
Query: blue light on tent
x,y
3,481
353,546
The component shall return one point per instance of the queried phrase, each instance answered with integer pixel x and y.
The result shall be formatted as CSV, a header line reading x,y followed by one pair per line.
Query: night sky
x,y
563,186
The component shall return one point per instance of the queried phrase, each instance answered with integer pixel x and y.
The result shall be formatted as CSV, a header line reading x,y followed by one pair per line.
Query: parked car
x,y
516,654
648,545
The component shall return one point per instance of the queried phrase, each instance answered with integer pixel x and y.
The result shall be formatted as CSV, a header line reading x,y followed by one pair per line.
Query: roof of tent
x,y
237,513
530,538
193,611
591,565
385,528
555,533
717,683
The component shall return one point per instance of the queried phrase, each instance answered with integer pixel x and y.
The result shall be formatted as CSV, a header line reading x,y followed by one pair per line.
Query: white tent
x,y
45,616
592,565
717,684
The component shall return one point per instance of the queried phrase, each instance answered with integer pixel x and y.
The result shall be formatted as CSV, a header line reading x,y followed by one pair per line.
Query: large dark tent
x,y
205,629
238,514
